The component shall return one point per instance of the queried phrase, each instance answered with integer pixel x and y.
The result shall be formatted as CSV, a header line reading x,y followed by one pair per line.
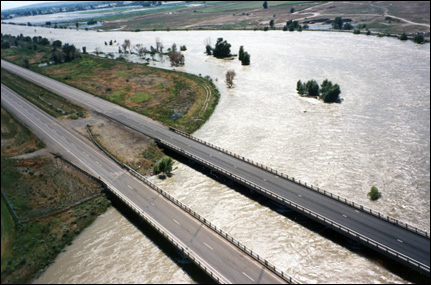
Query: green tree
x,y
300,88
403,37
265,5
312,88
26,63
338,23
329,93
164,166
70,52
374,193
271,24
241,53
348,26
222,49
57,44
419,39
245,59
209,50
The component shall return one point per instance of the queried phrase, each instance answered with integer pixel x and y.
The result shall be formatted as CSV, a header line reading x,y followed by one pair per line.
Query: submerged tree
x,y
222,48
245,59
164,166
230,75
176,58
374,193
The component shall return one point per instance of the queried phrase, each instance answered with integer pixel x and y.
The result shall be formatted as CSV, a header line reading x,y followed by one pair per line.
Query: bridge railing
x,y
213,227
309,186
168,235
195,215
338,227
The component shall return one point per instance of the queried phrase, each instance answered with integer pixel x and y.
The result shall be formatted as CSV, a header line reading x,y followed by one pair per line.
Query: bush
x,y
164,166
403,37
374,193
419,39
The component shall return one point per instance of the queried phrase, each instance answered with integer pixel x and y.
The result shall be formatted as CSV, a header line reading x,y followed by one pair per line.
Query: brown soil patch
x,y
130,147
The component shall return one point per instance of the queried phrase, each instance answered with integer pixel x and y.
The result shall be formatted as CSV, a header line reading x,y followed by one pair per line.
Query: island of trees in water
x,y
328,92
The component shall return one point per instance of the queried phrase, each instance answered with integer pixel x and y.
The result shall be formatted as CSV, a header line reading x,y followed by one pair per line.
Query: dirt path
x,y
386,14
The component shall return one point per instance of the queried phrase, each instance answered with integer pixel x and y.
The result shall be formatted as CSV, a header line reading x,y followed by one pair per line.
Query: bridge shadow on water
x,y
191,269
377,258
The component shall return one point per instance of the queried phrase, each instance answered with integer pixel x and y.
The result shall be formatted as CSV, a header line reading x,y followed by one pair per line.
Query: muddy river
x,y
379,135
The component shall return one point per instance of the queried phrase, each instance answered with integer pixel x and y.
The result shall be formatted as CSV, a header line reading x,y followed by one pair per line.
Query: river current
x,y
379,135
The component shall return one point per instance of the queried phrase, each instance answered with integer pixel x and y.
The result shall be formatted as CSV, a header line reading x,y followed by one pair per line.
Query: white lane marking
x,y
130,187
400,240
208,246
264,179
345,216
356,211
300,195
176,222
248,277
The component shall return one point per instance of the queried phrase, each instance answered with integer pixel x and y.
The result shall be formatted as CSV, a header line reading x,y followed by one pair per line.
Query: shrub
x,y
374,193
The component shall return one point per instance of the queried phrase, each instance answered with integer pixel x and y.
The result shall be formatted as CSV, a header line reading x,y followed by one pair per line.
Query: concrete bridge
x,y
397,240
221,256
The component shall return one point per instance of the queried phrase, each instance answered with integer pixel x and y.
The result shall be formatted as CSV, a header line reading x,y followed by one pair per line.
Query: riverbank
x,y
177,99
53,202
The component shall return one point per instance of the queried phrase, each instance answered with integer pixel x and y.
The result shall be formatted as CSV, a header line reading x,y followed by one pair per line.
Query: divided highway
x,y
402,245
220,257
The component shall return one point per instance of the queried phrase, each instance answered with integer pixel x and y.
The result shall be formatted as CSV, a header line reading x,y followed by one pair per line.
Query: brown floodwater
x,y
379,135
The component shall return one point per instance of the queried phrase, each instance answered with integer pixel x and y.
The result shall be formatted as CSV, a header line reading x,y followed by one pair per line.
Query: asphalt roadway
x,y
404,243
228,262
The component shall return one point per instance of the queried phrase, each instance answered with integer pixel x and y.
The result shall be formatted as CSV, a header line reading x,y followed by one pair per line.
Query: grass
x,y
53,204
175,98
147,90
49,102
7,233
18,139
141,97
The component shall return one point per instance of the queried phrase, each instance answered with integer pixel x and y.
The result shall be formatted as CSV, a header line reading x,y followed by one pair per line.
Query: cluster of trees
x,y
328,92
293,25
243,56
63,53
338,24
176,57
419,38
8,41
221,49
290,26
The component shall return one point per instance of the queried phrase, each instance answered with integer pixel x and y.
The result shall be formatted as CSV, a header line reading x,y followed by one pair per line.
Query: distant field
x,y
407,16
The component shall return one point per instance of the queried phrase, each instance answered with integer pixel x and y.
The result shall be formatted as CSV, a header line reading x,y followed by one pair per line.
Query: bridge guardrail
x,y
169,236
201,219
311,187
340,228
